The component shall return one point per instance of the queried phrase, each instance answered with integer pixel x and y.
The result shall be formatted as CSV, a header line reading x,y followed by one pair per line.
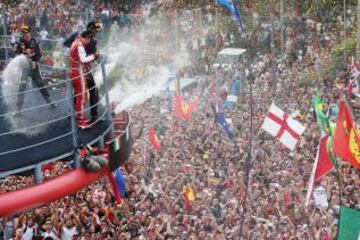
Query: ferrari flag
x,y
346,143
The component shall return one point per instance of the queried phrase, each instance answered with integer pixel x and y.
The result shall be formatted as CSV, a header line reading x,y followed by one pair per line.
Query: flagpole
x,y
216,28
272,57
282,27
248,161
340,185
312,177
358,32
345,23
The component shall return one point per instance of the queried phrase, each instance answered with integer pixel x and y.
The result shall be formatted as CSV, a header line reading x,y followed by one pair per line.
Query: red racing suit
x,y
77,71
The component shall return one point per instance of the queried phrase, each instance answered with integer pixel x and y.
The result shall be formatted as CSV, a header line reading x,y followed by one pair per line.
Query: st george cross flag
x,y
282,127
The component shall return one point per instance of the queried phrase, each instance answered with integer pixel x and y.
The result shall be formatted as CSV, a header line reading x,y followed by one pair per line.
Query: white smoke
x,y
142,62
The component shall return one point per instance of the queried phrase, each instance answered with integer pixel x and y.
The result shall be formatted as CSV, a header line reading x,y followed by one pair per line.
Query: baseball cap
x,y
25,28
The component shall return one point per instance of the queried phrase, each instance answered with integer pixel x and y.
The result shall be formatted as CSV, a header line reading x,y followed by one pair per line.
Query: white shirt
x,y
195,44
29,233
83,57
105,12
43,34
50,234
67,233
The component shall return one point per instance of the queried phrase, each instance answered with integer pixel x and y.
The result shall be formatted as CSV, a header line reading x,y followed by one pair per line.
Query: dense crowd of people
x,y
196,186
55,19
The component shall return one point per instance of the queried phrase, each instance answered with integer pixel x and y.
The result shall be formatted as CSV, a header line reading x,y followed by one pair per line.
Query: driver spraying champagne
x,y
78,62
28,46
91,48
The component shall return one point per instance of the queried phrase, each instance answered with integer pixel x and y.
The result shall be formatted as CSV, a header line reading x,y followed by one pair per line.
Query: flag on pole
x,y
329,146
323,162
154,140
231,6
220,119
234,92
353,87
322,165
189,196
115,144
349,224
321,118
346,142
354,70
182,108
120,182
212,88
287,199
282,127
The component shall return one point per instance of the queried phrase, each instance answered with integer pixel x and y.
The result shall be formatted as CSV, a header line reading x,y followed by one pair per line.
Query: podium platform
x,y
46,135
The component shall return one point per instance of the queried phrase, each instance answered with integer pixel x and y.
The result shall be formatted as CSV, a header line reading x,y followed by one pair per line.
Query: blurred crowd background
x,y
195,187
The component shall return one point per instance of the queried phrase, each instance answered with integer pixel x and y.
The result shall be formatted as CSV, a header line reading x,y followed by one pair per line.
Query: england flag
x,y
281,126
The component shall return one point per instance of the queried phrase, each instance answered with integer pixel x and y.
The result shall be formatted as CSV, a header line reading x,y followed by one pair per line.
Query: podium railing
x,y
66,97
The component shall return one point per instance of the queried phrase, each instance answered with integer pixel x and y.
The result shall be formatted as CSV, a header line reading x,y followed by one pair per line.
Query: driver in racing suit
x,y
77,64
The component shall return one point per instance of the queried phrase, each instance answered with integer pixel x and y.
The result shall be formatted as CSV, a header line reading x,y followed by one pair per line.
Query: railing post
x,y
106,92
101,143
77,159
38,174
5,32
73,123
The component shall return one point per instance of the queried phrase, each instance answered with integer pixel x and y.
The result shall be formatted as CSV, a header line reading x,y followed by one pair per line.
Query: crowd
x,y
55,19
195,187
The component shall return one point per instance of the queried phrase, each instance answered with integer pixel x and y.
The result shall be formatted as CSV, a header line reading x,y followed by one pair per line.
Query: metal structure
x,y
61,127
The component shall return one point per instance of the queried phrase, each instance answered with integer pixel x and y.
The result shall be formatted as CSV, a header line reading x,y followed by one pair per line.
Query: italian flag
x,y
115,144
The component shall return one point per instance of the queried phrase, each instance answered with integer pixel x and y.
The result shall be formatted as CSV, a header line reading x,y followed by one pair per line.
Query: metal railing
x,y
66,98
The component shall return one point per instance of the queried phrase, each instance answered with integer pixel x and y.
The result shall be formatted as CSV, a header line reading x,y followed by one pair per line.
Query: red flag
x,y
324,164
154,140
287,199
346,137
326,235
212,88
182,108
189,197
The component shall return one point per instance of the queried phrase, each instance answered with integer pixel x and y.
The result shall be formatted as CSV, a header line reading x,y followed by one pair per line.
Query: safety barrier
x,y
66,98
